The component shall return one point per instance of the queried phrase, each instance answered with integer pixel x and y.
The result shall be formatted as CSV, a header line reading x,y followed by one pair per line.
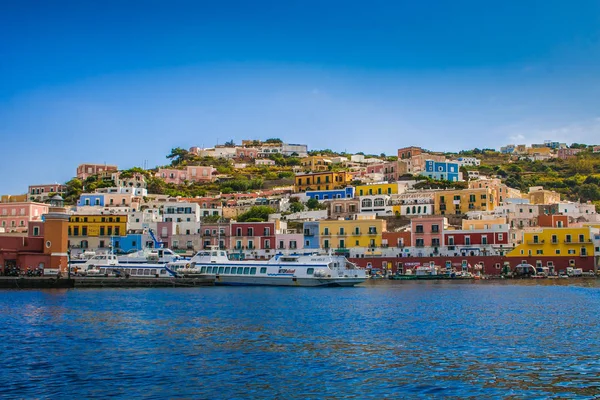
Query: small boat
x,y
281,270
108,265
431,272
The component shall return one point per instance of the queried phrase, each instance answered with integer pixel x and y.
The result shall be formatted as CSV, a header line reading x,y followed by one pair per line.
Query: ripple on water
x,y
379,341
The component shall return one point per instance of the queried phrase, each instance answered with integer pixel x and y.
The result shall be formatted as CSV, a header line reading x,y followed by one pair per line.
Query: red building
x,y
396,239
491,265
45,245
553,221
252,235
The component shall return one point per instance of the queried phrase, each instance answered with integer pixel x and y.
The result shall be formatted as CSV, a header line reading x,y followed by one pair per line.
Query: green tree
x,y
178,155
256,214
296,207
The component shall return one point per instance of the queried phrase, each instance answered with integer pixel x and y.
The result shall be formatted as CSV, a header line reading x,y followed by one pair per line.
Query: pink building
x,y
15,217
189,174
289,242
565,154
389,170
41,192
215,235
85,170
246,153
427,231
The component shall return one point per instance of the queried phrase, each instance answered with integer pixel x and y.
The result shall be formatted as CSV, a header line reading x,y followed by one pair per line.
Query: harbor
x,y
100,282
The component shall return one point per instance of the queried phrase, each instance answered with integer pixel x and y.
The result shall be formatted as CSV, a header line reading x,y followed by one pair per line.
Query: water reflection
x,y
387,339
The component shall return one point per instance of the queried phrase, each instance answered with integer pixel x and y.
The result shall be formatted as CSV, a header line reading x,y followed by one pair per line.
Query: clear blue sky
x,y
125,81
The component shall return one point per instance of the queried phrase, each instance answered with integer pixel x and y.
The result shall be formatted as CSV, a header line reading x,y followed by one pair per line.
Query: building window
x,y
435,228
419,229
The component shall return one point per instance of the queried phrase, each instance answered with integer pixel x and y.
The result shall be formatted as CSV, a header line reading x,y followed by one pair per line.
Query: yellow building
x,y
555,242
322,181
13,198
315,163
538,195
376,188
463,201
500,190
97,225
345,234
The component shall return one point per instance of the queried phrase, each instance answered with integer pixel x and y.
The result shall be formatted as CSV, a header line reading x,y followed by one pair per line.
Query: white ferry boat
x,y
108,265
150,255
281,270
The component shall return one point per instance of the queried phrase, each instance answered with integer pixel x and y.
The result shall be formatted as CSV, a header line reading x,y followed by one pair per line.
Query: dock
x,y
99,282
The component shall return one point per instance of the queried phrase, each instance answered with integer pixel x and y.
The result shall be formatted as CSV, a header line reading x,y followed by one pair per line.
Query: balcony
x,y
342,234
372,231
357,233
309,233
326,234
538,242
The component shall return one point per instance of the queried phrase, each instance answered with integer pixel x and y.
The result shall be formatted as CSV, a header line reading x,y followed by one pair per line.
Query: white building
x,y
468,162
378,205
417,203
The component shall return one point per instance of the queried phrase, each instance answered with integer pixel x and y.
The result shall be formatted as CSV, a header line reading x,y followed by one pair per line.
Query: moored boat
x,y
281,270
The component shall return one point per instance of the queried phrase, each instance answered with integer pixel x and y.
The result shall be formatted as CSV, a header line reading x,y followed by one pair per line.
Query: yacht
x,y
281,270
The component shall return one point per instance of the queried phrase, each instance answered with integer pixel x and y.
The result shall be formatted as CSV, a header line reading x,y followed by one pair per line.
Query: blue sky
x,y
122,82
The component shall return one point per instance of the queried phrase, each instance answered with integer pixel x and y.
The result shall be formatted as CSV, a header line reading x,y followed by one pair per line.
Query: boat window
x,y
209,270
310,271
246,270
202,270
253,271
153,272
146,272
263,270
127,271
138,272
162,272
221,270
215,253
227,270
222,254
233,270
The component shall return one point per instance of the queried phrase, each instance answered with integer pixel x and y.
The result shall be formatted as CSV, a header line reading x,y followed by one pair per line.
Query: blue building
x,y
444,171
345,193
92,199
128,243
311,235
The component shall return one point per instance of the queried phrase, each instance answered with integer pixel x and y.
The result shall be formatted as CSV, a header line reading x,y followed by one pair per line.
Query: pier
x,y
100,282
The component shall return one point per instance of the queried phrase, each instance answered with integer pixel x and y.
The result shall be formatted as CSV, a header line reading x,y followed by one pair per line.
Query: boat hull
x,y
228,280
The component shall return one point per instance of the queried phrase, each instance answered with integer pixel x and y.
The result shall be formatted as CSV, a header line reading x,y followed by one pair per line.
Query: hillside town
x,y
261,198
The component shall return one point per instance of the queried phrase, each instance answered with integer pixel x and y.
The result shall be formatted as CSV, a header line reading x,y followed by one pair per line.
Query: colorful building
x,y
344,193
96,231
86,170
41,193
45,246
189,174
315,163
345,234
376,188
322,181
441,170
463,201
343,208
15,217
568,242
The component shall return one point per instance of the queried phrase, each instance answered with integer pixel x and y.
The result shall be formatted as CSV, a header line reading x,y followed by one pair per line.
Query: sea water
x,y
383,339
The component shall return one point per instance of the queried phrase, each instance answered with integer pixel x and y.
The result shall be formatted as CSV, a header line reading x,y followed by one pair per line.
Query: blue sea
x,y
383,339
